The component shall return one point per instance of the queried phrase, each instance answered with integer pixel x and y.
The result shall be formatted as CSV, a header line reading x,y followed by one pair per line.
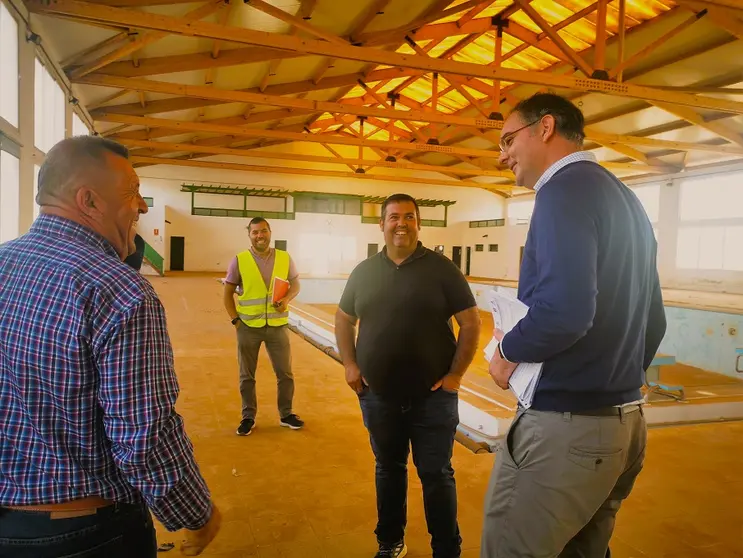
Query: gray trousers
x,y
558,483
249,340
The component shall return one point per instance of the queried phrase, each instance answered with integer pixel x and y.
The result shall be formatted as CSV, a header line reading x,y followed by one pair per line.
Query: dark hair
x,y
258,221
71,157
400,198
569,119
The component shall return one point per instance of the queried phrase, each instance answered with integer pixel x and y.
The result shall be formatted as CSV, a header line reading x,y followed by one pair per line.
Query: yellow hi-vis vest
x,y
254,305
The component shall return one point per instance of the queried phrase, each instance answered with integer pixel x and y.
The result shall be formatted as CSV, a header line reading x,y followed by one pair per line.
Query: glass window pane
x,y
711,247
9,196
733,250
78,126
8,66
687,248
717,196
649,197
49,109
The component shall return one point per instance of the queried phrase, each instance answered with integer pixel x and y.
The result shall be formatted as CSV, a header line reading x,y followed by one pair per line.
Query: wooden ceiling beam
x,y
337,159
296,22
279,101
85,11
79,57
552,34
435,13
141,3
729,21
184,103
243,131
722,129
145,39
643,52
375,8
198,61
313,172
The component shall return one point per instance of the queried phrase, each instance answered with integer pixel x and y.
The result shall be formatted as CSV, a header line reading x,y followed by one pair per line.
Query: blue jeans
x,y
116,531
428,424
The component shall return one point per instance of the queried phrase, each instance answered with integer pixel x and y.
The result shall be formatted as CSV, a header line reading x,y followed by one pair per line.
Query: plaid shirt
x,y
87,385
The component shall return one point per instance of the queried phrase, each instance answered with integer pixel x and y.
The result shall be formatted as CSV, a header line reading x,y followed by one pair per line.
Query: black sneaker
x,y
292,421
246,427
392,551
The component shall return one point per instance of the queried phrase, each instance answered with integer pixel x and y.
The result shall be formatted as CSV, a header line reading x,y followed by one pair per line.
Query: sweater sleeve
x,y
563,303
656,327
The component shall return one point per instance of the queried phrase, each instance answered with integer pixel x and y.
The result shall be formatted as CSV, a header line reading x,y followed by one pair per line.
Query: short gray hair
x,y
70,158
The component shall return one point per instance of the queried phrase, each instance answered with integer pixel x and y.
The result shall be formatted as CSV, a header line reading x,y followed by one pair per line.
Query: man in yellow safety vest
x,y
259,319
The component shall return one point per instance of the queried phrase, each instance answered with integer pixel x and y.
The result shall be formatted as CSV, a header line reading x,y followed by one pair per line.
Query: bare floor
x,y
310,493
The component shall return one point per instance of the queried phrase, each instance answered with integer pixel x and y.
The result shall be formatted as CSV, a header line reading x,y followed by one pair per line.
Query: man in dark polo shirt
x,y
406,367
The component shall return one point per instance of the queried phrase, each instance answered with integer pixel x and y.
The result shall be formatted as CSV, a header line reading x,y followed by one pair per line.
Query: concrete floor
x,y
310,493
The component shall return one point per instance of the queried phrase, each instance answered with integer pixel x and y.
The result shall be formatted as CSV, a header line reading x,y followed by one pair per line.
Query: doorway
x,y
469,258
177,252
372,250
456,256
521,256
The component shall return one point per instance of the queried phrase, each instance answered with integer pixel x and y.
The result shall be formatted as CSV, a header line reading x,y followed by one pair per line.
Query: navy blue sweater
x,y
589,276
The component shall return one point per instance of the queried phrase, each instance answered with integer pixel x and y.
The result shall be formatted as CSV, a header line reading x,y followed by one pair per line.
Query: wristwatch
x,y
235,320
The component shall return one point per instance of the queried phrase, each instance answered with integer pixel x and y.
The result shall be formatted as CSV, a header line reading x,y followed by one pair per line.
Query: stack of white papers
x,y
507,311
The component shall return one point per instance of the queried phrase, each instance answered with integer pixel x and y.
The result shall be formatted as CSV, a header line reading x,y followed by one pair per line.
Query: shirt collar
x,y
261,256
54,225
420,251
562,163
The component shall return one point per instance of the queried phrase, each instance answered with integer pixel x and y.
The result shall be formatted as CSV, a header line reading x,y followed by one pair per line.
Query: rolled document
x,y
508,311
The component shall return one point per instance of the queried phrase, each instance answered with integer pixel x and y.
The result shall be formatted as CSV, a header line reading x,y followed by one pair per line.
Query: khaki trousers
x,y
249,341
558,483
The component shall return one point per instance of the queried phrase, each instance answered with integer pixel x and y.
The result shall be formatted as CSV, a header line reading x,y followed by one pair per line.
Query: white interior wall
x,y
320,244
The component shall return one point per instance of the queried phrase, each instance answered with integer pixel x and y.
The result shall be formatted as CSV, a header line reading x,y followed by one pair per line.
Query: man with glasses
x,y
595,320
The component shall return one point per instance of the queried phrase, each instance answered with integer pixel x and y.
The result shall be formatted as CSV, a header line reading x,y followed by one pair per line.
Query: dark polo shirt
x,y
405,342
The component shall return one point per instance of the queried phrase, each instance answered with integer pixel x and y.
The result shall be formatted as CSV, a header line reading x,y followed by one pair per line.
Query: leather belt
x,y
73,508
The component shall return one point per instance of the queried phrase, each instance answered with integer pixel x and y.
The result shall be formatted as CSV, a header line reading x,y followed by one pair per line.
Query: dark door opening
x,y
372,250
456,256
177,249
280,245
469,258
521,256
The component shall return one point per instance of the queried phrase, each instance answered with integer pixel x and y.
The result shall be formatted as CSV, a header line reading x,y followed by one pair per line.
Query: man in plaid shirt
x,y
89,437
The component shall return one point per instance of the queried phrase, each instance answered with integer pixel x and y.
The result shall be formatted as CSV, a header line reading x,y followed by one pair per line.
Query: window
x,y
649,197
149,201
49,109
717,196
712,248
488,223
479,247
9,194
8,66
492,247
280,244
327,204
78,127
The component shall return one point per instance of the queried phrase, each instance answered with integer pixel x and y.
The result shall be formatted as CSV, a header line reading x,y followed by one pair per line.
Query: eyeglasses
x,y
507,140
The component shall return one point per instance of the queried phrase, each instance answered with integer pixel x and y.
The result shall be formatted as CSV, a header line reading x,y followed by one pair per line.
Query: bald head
x,y
70,162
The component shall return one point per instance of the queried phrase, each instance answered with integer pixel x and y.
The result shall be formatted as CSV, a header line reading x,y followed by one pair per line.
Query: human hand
x,y
197,540
450,382
281,305
500,369
354,378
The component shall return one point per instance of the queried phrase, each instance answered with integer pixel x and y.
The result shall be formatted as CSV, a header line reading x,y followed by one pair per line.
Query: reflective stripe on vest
x,y
254,305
